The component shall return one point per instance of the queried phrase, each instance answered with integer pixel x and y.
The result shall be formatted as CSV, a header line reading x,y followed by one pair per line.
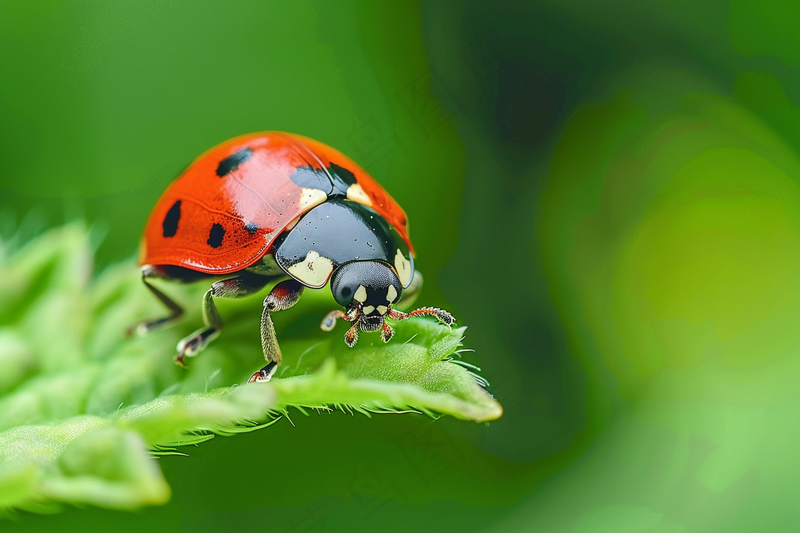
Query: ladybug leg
x,y
282,296
353,315
329,321
439,314
237,287
410,294
176,311
351,336
386,332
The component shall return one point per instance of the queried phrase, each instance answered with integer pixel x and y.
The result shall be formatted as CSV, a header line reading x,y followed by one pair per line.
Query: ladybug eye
x,y
342,293
344,281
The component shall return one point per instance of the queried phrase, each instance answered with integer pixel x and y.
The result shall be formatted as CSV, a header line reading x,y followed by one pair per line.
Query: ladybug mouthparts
x,y
370,322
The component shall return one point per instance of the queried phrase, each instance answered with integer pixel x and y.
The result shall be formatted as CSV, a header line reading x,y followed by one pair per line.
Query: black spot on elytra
x,y
170,224
251,228
342,179
343,174
232,162
215,236
311,178
334,180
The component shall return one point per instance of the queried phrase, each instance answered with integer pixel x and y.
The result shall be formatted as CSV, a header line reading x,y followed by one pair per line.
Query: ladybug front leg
x,y
243,285
175,310
410,294
445,317
282,296
353,315
329,321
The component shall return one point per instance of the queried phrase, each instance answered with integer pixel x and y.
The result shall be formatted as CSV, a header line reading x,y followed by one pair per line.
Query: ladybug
x,y
276,206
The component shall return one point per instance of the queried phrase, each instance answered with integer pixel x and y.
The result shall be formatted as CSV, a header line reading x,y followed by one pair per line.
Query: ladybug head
x,y
367,289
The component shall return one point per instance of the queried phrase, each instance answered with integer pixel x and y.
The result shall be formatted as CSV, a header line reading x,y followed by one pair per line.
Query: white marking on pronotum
x,y
368,309
361,294
382,309
357,194
403,267
313,271
391,294
311,197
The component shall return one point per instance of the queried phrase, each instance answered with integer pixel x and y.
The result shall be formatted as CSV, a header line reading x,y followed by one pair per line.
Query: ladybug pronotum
x,y
272,205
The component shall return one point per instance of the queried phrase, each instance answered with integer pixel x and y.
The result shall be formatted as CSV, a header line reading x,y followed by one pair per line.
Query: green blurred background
x,y
605,193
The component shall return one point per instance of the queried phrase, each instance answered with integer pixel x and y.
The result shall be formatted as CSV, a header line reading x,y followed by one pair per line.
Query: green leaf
x,y
82,408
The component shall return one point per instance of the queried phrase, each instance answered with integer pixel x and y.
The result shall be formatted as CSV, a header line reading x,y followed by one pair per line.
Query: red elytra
x,y
243,188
